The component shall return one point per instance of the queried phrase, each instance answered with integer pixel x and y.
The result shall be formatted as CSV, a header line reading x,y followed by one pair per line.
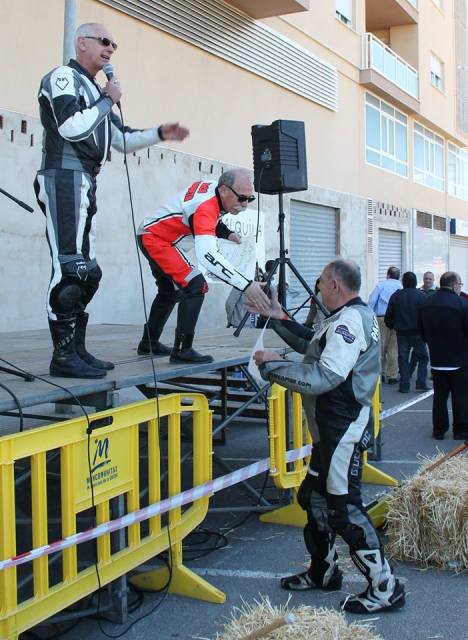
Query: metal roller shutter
x,y
313,243
390,251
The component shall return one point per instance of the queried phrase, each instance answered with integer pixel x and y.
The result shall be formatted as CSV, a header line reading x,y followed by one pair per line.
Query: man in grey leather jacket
x,y
336,380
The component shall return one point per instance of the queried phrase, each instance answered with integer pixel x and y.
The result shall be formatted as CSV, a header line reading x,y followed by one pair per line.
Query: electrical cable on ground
x,y
165,589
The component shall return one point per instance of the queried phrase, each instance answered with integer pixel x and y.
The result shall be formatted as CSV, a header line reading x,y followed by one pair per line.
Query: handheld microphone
x,y
109,71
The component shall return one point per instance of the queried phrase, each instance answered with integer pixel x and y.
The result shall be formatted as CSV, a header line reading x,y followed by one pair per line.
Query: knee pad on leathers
x,y
67,298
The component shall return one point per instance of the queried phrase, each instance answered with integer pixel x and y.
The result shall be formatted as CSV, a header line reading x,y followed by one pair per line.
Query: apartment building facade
x,y
381,85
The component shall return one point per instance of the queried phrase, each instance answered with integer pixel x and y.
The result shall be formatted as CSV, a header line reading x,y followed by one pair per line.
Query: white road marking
x,y
267,575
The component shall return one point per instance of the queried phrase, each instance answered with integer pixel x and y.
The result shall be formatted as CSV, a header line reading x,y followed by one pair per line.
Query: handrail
x,y
380,57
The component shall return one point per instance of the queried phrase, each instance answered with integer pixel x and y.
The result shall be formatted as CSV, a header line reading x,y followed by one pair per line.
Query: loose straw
x,y
289,618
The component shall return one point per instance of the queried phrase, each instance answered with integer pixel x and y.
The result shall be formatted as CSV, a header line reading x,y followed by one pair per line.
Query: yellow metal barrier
x,y
284,478
293,514
115,463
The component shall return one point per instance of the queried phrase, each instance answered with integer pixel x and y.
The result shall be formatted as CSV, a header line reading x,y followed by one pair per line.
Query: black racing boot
x,y
66,363
152,345
324,572
80,336
182,352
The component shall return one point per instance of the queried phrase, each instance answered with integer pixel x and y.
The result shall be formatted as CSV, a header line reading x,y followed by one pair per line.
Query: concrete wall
x,y
155,175
165,78
25,267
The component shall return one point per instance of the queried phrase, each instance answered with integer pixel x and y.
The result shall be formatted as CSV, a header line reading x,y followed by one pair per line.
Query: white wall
x,y
155,175
25,265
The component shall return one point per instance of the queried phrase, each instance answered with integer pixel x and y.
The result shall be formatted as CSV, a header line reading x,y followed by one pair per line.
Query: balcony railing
x,y
377,56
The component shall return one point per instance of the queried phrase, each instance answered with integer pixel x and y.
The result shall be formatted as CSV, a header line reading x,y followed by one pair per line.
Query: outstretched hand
x,y
174,131
256,299
272,308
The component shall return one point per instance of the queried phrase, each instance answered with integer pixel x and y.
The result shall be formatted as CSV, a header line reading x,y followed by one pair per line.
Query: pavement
x,y
255,555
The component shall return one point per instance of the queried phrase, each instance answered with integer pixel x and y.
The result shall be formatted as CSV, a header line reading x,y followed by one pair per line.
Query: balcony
x,y
388,75
267,8
391,13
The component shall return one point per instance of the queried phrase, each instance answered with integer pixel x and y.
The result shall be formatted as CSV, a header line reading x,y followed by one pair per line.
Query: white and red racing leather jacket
x,y
196,212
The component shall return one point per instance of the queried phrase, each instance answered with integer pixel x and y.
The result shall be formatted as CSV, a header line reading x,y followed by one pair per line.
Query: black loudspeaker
x,y
279,156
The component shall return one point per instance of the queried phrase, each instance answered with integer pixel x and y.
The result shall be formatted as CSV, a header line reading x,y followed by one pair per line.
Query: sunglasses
x,y
241,197
104,41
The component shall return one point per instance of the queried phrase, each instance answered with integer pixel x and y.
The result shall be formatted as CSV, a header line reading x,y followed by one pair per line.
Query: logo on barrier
x,y
109,459
101,454
102,470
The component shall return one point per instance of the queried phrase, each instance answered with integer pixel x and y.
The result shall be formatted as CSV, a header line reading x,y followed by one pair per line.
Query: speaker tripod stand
x,y
280,264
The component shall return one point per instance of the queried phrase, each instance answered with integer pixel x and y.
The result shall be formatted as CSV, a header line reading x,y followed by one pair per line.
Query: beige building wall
x,y
165,78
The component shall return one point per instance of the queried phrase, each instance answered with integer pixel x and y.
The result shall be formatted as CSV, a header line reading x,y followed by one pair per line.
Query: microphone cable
x,y
18,405
169,563
165,589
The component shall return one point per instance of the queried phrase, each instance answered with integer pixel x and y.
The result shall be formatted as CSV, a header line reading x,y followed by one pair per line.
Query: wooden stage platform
x,y
31,350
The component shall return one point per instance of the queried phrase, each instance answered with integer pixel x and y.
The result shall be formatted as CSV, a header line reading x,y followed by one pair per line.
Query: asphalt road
x,y
257,554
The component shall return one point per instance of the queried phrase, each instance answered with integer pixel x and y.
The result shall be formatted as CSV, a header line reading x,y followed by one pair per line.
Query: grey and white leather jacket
x,y
341,364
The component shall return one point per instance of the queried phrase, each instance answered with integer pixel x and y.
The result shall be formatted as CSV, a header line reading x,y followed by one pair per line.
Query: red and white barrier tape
x,y
404,405
158,508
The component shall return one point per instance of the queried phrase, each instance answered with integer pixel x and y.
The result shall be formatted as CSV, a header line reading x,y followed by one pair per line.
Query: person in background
x,y
444,326
378,302
428,283
269,265
315,314
403,315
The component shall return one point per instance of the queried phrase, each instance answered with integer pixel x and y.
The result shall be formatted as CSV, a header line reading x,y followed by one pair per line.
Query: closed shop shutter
x,y
458,258
313,244
390,251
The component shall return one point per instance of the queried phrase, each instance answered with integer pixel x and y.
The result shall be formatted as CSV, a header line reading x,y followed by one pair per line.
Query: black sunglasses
x,y
104,41
241,197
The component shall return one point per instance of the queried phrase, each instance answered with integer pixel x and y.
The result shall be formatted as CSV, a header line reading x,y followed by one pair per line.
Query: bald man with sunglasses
x,y
79,129
196,212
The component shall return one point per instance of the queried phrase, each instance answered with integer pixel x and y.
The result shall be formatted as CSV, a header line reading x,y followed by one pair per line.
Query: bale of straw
x,y
309,623
427,521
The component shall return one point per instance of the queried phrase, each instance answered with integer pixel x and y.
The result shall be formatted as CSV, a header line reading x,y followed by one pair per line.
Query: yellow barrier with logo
x,y
286,478
114,457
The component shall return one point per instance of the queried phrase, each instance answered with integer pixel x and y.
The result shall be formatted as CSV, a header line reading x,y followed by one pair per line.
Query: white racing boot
x,y
384,592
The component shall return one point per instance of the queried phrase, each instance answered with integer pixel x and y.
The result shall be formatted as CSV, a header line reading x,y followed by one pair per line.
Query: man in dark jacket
x,y
444,326
402,315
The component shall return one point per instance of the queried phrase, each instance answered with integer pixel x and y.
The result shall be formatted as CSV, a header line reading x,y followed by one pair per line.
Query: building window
x,y
439,3
428,164
386,136
424,219
439,223
437,72
344,11
457,172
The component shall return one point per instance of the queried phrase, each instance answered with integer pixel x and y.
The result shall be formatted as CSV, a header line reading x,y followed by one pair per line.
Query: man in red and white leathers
x,y
196,211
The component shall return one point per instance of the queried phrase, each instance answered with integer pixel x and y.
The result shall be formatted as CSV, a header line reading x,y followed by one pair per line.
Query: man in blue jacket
x,y
444,326
378,302
402,315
